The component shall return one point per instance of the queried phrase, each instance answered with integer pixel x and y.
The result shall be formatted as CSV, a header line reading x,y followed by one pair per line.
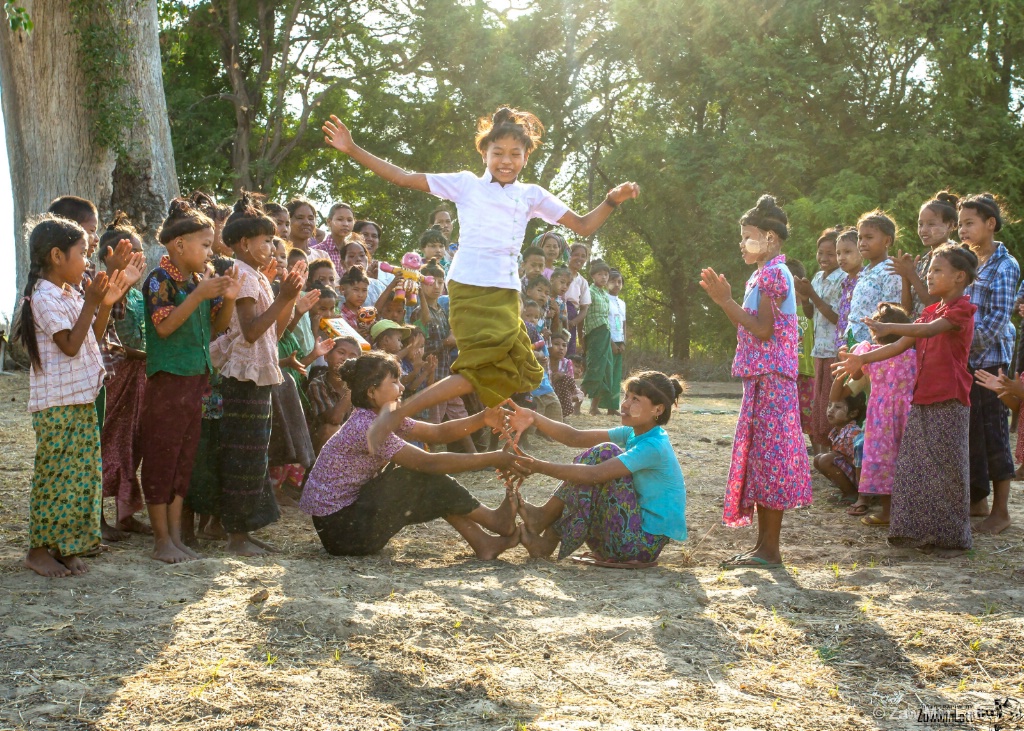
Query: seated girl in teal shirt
x,y
624,496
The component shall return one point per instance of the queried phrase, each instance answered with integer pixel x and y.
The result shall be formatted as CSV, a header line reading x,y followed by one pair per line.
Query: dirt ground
x,y
852,635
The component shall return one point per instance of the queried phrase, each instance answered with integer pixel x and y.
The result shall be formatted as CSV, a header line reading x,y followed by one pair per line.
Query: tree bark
x,y
47,118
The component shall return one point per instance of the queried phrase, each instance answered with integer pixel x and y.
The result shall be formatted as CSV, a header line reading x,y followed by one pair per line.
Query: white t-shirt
x,y
492,225
616,318
578,292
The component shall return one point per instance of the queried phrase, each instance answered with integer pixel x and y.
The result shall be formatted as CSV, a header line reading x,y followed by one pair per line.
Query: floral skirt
x,y
67,485
820,427
769,456
805,387
606,517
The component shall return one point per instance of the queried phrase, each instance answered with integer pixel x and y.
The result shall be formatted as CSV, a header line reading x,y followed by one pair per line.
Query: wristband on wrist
x,y
610,202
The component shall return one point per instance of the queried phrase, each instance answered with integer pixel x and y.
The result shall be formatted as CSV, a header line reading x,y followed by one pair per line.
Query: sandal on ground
x,y
857,510
874,521
748,562
592,559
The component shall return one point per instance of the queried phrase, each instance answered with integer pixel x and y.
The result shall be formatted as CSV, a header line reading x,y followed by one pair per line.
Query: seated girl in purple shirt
x,y
359,500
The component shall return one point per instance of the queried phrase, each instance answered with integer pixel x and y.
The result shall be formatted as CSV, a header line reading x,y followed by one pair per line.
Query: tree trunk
x,y
47,117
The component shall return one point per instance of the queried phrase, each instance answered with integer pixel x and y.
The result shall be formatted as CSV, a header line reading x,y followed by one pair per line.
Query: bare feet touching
x,y
533,518
47,564
538,546
493,546
506,513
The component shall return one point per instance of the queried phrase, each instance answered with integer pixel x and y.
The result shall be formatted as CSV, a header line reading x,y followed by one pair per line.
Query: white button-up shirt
x,y
63,380
492,225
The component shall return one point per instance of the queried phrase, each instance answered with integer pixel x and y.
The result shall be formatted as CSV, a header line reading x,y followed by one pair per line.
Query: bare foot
x,y
532,516
494,546
40,561
385,423
506,513
74,563
538,546
131,524
980,508
165,550
994,524
242,545
110,533
186,549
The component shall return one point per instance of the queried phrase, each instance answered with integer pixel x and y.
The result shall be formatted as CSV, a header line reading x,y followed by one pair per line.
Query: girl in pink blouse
x,y
892,389
770,470
247,359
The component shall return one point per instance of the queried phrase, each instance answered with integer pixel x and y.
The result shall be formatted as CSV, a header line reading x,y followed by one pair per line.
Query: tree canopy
x,y
835,106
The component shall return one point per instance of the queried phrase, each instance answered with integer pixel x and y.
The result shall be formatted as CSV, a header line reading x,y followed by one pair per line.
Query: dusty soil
x,y
851,635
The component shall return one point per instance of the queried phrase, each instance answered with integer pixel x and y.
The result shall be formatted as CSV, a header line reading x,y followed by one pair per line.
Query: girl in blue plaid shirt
x,y
980,218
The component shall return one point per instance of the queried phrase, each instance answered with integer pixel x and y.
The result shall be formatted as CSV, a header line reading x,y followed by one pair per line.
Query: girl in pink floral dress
x,y
769,469
892,391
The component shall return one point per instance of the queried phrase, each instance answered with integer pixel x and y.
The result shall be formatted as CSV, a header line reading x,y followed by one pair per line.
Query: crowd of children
x,y
222,374
897,370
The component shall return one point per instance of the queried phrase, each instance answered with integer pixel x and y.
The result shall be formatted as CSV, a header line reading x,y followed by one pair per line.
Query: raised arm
x,y
338,137
588,224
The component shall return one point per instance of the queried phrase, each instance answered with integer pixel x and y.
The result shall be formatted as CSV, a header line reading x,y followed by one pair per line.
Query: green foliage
x,y
104,47
18,17
836,107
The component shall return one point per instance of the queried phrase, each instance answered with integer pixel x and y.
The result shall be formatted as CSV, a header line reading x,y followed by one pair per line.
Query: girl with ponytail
x,y
624,496
495,355
60,327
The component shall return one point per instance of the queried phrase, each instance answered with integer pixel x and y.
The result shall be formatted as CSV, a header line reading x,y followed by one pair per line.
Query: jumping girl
x,y
769,459
495,355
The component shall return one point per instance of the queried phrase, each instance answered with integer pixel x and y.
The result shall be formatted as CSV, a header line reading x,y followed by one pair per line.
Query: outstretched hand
x,y
305,303
519,420
337,135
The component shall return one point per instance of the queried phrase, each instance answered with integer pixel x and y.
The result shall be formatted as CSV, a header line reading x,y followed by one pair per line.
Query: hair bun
x,y
249,204
180,208
503,115
121,222
678,385
948,198
766,203
348,371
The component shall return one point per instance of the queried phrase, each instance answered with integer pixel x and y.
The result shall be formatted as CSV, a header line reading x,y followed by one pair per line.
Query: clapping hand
x,y
292,361
305,303
903,264
269,270
716,285
117,285
119,256
624,192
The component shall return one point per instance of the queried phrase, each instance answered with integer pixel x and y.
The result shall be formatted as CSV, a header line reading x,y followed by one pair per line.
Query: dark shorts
x,y
991,456
395,498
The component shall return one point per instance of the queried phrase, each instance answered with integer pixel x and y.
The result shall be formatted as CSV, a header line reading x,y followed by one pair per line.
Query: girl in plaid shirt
x,y
60,327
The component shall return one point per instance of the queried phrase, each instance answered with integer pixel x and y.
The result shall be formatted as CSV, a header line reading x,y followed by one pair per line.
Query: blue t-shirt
x,y
658,479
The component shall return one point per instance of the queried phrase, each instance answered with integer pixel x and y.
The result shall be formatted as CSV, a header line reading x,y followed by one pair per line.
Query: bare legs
x,y
826,465
766,550
500,520
536,533
166,521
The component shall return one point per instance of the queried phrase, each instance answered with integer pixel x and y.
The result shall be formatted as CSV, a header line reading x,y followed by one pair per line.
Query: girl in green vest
x,y
182,308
